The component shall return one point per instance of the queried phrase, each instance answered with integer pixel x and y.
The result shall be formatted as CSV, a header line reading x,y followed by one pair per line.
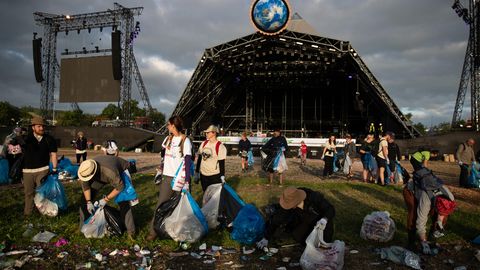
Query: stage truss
x,y
120,18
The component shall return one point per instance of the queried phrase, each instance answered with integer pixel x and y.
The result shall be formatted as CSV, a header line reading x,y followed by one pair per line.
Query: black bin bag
x,y
164,211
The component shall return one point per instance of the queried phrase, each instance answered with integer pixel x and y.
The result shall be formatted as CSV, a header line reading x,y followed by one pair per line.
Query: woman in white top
x,y
328,152
178,156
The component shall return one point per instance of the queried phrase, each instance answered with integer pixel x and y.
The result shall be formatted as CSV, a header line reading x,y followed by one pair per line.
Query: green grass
x,y
352,201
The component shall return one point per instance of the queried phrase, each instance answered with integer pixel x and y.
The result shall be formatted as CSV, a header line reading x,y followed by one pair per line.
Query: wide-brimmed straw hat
x,y
291,197
211,128
87,170
37,120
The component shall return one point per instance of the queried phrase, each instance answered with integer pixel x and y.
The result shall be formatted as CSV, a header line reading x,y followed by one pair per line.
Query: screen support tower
x,y
120,18
471,65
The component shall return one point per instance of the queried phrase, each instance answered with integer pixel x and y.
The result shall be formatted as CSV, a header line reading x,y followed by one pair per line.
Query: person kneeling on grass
x,y
95,174
300,210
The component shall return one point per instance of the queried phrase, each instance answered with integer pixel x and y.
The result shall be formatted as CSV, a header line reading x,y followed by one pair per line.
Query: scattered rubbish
x,y
209,261
400,255
378,226
248,251
228,251
457,248
43,237
285,259
99,257
185,245
228,263
216,248
477,254
449,261
38,252
177,254
195,255
460,268
290,245
265,257
294,264
113,253
16,252
7,264
203,246
281,268
273,250
29,231
136,248
315,257
87,265
62,254
145,252
125,253
237,266
353,251
61,242
22,261
244,258
375,263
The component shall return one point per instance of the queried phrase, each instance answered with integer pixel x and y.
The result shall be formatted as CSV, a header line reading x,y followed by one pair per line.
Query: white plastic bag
x,y
282,164
316,258
346,165
45,206
186,223
96,225
378,226
211,202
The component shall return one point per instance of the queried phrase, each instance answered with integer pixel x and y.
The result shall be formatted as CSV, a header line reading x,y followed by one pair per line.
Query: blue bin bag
x,y
72,170
250,159
474,177
371,164
4,169
248,226
128,193
53,190
62,163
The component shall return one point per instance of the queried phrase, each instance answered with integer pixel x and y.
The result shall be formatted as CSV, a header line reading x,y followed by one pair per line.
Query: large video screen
x,y
88,79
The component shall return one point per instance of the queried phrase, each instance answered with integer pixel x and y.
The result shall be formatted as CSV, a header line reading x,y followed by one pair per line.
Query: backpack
x,y
217,145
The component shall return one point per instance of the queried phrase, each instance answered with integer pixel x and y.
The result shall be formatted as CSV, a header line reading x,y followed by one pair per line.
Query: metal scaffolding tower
x,y
471,65
120,18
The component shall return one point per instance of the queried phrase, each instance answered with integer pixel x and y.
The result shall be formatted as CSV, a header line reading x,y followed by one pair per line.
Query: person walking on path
x,y
211,159
40,150
81,147
465,157
176,163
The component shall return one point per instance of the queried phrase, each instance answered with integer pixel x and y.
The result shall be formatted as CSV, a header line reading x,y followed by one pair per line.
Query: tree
x,y
9,114
158,119
111,111
71,118
421,128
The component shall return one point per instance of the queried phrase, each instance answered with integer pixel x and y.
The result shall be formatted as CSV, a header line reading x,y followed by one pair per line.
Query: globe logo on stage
x,y
270,17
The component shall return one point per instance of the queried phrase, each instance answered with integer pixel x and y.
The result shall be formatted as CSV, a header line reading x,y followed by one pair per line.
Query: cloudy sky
x,y
414,48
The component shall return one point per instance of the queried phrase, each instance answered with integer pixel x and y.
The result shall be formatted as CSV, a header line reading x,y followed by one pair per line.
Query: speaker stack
x,y
116,56
37,59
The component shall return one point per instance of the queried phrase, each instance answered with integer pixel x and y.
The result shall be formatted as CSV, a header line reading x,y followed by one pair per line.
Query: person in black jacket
x,y
276,144
393,155
244,146
300,209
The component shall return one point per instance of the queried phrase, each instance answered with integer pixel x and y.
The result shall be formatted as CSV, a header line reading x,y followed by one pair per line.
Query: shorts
x,y
363,158
382,163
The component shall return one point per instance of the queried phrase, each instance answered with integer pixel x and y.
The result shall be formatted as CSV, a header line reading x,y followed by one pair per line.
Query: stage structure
x,y
121,21
471,64
296,80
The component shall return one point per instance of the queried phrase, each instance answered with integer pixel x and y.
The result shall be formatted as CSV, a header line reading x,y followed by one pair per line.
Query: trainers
x,y
438,234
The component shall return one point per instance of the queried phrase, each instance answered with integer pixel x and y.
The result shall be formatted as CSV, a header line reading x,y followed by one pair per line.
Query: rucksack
x,y
217,145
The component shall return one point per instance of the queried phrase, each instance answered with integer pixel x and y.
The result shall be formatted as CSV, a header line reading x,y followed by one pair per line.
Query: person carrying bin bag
x,y
94,175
